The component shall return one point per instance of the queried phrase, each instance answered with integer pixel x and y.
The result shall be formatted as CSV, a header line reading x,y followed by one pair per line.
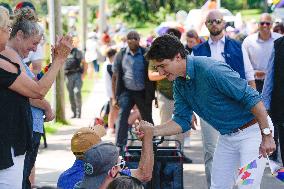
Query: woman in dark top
x,y
192,39
15,89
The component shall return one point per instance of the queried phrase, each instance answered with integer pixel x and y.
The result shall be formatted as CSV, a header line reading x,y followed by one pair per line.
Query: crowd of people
x,y
185,75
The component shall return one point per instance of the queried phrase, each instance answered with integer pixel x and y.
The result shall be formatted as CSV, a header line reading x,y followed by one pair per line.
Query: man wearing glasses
x,y
102,163
226,50
259,48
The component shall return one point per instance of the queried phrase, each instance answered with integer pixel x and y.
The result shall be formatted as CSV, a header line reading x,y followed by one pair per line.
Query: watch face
x,y
266,131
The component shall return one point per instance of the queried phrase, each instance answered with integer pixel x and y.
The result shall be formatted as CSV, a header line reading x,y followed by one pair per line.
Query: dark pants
x,y
96,66
74,86
126,102
279,128
259,85
30,159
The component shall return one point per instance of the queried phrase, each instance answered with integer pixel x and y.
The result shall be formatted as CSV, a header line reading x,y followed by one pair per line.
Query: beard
x,y
216,32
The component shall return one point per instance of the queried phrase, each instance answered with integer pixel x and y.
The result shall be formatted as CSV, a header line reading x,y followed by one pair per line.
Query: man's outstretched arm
x,y
146,163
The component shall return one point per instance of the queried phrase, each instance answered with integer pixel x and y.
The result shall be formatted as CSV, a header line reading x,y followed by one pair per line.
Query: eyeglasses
x,y
265,23
121,164
217,21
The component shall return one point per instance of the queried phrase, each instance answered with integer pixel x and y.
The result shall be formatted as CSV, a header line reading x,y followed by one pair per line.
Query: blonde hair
x,y
4,17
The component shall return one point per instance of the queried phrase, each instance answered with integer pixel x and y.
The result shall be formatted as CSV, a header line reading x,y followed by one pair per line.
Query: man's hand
x,y
259,74
267,146
49,115
142,128
114,103
193,122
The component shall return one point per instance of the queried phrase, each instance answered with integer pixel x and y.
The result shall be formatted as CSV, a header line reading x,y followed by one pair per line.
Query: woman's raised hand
x,y
63,47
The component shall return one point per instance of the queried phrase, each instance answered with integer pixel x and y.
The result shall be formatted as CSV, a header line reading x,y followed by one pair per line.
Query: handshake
x,y
144,129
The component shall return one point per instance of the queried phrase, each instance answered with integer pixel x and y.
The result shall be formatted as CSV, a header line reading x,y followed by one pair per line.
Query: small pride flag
x,y
276,170
43,71
249,173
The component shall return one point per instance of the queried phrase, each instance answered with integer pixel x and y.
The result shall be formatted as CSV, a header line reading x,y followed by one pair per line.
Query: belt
x,y
248,124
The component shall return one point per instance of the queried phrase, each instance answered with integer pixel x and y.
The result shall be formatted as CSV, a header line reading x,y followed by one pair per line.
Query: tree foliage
x,y
140,11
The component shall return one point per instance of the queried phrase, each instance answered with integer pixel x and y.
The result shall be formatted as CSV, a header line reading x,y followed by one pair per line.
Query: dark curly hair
x,y
165,47
125,182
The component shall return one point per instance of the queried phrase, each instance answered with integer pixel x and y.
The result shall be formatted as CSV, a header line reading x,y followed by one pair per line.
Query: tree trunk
x,y
245,4
56,29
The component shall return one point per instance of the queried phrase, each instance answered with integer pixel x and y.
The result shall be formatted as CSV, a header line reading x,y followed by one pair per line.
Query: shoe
x,y
78,116
74,116
187,160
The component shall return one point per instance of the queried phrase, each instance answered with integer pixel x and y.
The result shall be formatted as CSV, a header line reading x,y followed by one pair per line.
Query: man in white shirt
x,y
225,50
259,47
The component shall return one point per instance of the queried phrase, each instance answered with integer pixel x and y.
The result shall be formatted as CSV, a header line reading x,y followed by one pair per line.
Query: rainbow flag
x,y
249,172
276,170
43,71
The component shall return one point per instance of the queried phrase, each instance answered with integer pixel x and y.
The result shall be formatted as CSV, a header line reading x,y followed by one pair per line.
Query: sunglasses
x,y
121,164
217,21
265,23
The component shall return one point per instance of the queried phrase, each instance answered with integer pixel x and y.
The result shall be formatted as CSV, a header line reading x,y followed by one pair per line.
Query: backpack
x,y
73,62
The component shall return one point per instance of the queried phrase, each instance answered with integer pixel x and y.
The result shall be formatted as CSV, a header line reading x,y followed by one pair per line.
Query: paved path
x,y
58,156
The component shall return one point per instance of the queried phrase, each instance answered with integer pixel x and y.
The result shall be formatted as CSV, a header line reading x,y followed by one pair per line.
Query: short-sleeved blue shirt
x,y
71,176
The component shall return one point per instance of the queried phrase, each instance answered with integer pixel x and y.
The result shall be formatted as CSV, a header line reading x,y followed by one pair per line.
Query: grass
x,y
51,128
248,14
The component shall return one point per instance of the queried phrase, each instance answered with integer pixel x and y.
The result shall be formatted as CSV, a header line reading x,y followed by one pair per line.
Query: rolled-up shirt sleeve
x,y
228,82
182,111
249,72
268,82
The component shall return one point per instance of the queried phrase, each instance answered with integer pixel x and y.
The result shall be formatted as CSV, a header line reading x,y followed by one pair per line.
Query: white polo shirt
x,y
259,51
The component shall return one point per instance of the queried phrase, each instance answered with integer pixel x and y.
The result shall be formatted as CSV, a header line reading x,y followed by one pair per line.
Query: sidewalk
x,y
51,162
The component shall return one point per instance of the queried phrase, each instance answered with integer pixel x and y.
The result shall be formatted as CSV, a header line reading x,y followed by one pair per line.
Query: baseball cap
x,y
83,139
98,161
23,4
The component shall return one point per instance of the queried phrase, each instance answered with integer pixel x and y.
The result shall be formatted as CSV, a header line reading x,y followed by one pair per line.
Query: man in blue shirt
x,y
218,95
273,93
82,140
131,86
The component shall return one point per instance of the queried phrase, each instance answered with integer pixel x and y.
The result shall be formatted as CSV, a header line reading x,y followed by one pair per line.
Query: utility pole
x,y
218,4
83,15
102,17
55,28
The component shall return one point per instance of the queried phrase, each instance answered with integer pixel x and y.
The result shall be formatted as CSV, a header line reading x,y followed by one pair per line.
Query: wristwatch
x,y
266,131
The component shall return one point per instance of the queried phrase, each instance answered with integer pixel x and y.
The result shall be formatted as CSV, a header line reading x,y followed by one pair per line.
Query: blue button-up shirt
x,y
37,113
216,93
268,82
133,66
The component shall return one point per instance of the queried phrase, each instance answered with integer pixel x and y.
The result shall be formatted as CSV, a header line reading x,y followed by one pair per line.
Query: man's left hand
x,y
267,146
